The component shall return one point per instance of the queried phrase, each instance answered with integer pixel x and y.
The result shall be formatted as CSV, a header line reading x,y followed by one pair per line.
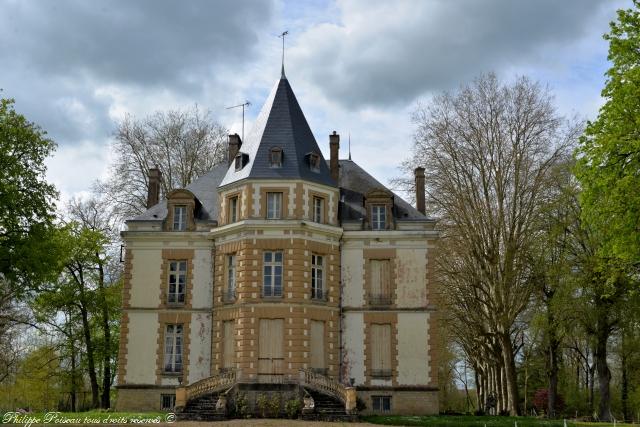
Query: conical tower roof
x,y
280,124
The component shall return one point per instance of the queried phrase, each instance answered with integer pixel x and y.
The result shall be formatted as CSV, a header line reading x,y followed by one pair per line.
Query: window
x,y
274,205
318,209
381,403
380,351
275,157
317,277
238,162
230,294
177,282
173,349
180,218
314,162
378,217
380,286
168,401
233,209
272,280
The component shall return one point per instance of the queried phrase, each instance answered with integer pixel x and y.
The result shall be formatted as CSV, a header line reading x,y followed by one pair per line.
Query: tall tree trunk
x,y
553,350
91,366
604,374
511,374
106,356
74,390
625,384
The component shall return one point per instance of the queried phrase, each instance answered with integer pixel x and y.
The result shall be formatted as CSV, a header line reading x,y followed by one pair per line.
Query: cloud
x,y
384,53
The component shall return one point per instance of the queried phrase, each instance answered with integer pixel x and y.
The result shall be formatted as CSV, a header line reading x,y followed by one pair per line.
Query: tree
x,y
183,144
26,201
488,150
609,152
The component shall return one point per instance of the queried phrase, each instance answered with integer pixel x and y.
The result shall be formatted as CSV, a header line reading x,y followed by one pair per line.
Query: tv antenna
x,y
284,33
245,104
349,145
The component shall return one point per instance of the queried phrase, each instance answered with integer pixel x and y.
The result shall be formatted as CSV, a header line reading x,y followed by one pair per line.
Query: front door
x,y
270,351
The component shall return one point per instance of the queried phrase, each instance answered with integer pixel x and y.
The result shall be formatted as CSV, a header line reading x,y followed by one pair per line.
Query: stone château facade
x,y
276,265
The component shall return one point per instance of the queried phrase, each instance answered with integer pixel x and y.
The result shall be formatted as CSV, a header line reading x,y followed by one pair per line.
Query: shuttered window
x,y
228,348
270,350
317,347
380,351
380,282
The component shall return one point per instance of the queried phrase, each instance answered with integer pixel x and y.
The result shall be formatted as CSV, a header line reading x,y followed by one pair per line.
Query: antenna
x,y
349,145
246,104
284,33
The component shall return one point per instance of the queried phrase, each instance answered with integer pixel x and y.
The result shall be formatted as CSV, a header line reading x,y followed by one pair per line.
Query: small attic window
x,y
314,162
241,160
275,157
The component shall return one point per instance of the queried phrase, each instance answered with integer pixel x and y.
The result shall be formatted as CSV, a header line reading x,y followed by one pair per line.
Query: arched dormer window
x,y
314,160
275,157
379,206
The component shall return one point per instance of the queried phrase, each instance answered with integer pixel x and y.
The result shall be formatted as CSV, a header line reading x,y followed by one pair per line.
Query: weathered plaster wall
x,y
200,357
353,346
202,279
141,351
145,277
352,277
411,269
413,349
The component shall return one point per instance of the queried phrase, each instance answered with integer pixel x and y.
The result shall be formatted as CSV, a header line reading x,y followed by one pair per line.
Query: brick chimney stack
x,y
153,193
334,147
420,205
234,146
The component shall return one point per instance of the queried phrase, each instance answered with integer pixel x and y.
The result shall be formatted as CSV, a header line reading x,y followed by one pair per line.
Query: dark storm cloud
x,y
144,42
390,52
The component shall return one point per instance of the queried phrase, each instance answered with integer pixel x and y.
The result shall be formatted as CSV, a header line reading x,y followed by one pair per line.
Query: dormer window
x,y
241,160
314,162
179,218
275,157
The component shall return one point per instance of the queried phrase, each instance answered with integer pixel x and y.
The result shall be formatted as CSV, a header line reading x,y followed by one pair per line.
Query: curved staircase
x,y
203,408
327,408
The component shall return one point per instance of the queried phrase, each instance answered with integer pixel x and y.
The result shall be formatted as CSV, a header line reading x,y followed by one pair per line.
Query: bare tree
x,y
183,144
488,150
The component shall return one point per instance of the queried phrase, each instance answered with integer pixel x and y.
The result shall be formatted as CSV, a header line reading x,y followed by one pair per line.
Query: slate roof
x,y
205,190
355,182
281,123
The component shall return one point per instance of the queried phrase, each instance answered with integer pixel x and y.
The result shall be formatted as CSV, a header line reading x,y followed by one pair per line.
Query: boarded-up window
x,y
380,351
380,282
317,347
270,350
228,347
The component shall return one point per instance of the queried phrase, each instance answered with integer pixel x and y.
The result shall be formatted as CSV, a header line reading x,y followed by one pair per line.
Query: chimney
x,y
153,194
419,172
334,147
234,146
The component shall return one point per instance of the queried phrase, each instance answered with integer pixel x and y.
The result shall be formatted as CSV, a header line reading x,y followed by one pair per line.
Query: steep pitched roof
x,y
280,124
204,188
355,182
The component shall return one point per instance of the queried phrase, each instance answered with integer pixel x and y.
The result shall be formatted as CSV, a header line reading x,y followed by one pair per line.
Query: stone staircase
x,y
202,408
327,408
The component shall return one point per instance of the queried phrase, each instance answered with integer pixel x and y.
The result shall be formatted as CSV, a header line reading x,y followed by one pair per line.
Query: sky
x,y
359,67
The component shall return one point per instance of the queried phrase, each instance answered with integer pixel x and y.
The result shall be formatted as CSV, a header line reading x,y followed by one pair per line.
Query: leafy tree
x,y
489,150
609,152
26,201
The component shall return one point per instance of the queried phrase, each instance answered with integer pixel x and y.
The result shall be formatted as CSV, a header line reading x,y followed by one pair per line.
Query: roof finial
x,y
284,33
349,145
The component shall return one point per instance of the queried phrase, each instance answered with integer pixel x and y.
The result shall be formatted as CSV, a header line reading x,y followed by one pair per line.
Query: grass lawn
x,y
474,421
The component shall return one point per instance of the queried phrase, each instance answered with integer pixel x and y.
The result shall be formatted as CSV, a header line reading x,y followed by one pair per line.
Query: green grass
x,y
89,417
475,421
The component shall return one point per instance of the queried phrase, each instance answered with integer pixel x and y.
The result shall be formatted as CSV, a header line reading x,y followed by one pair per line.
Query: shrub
x,y
293,407
274,405
262,402
540,401
241,406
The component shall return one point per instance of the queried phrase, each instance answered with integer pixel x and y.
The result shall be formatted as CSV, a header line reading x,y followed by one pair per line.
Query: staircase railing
x,y
211,384
327,385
